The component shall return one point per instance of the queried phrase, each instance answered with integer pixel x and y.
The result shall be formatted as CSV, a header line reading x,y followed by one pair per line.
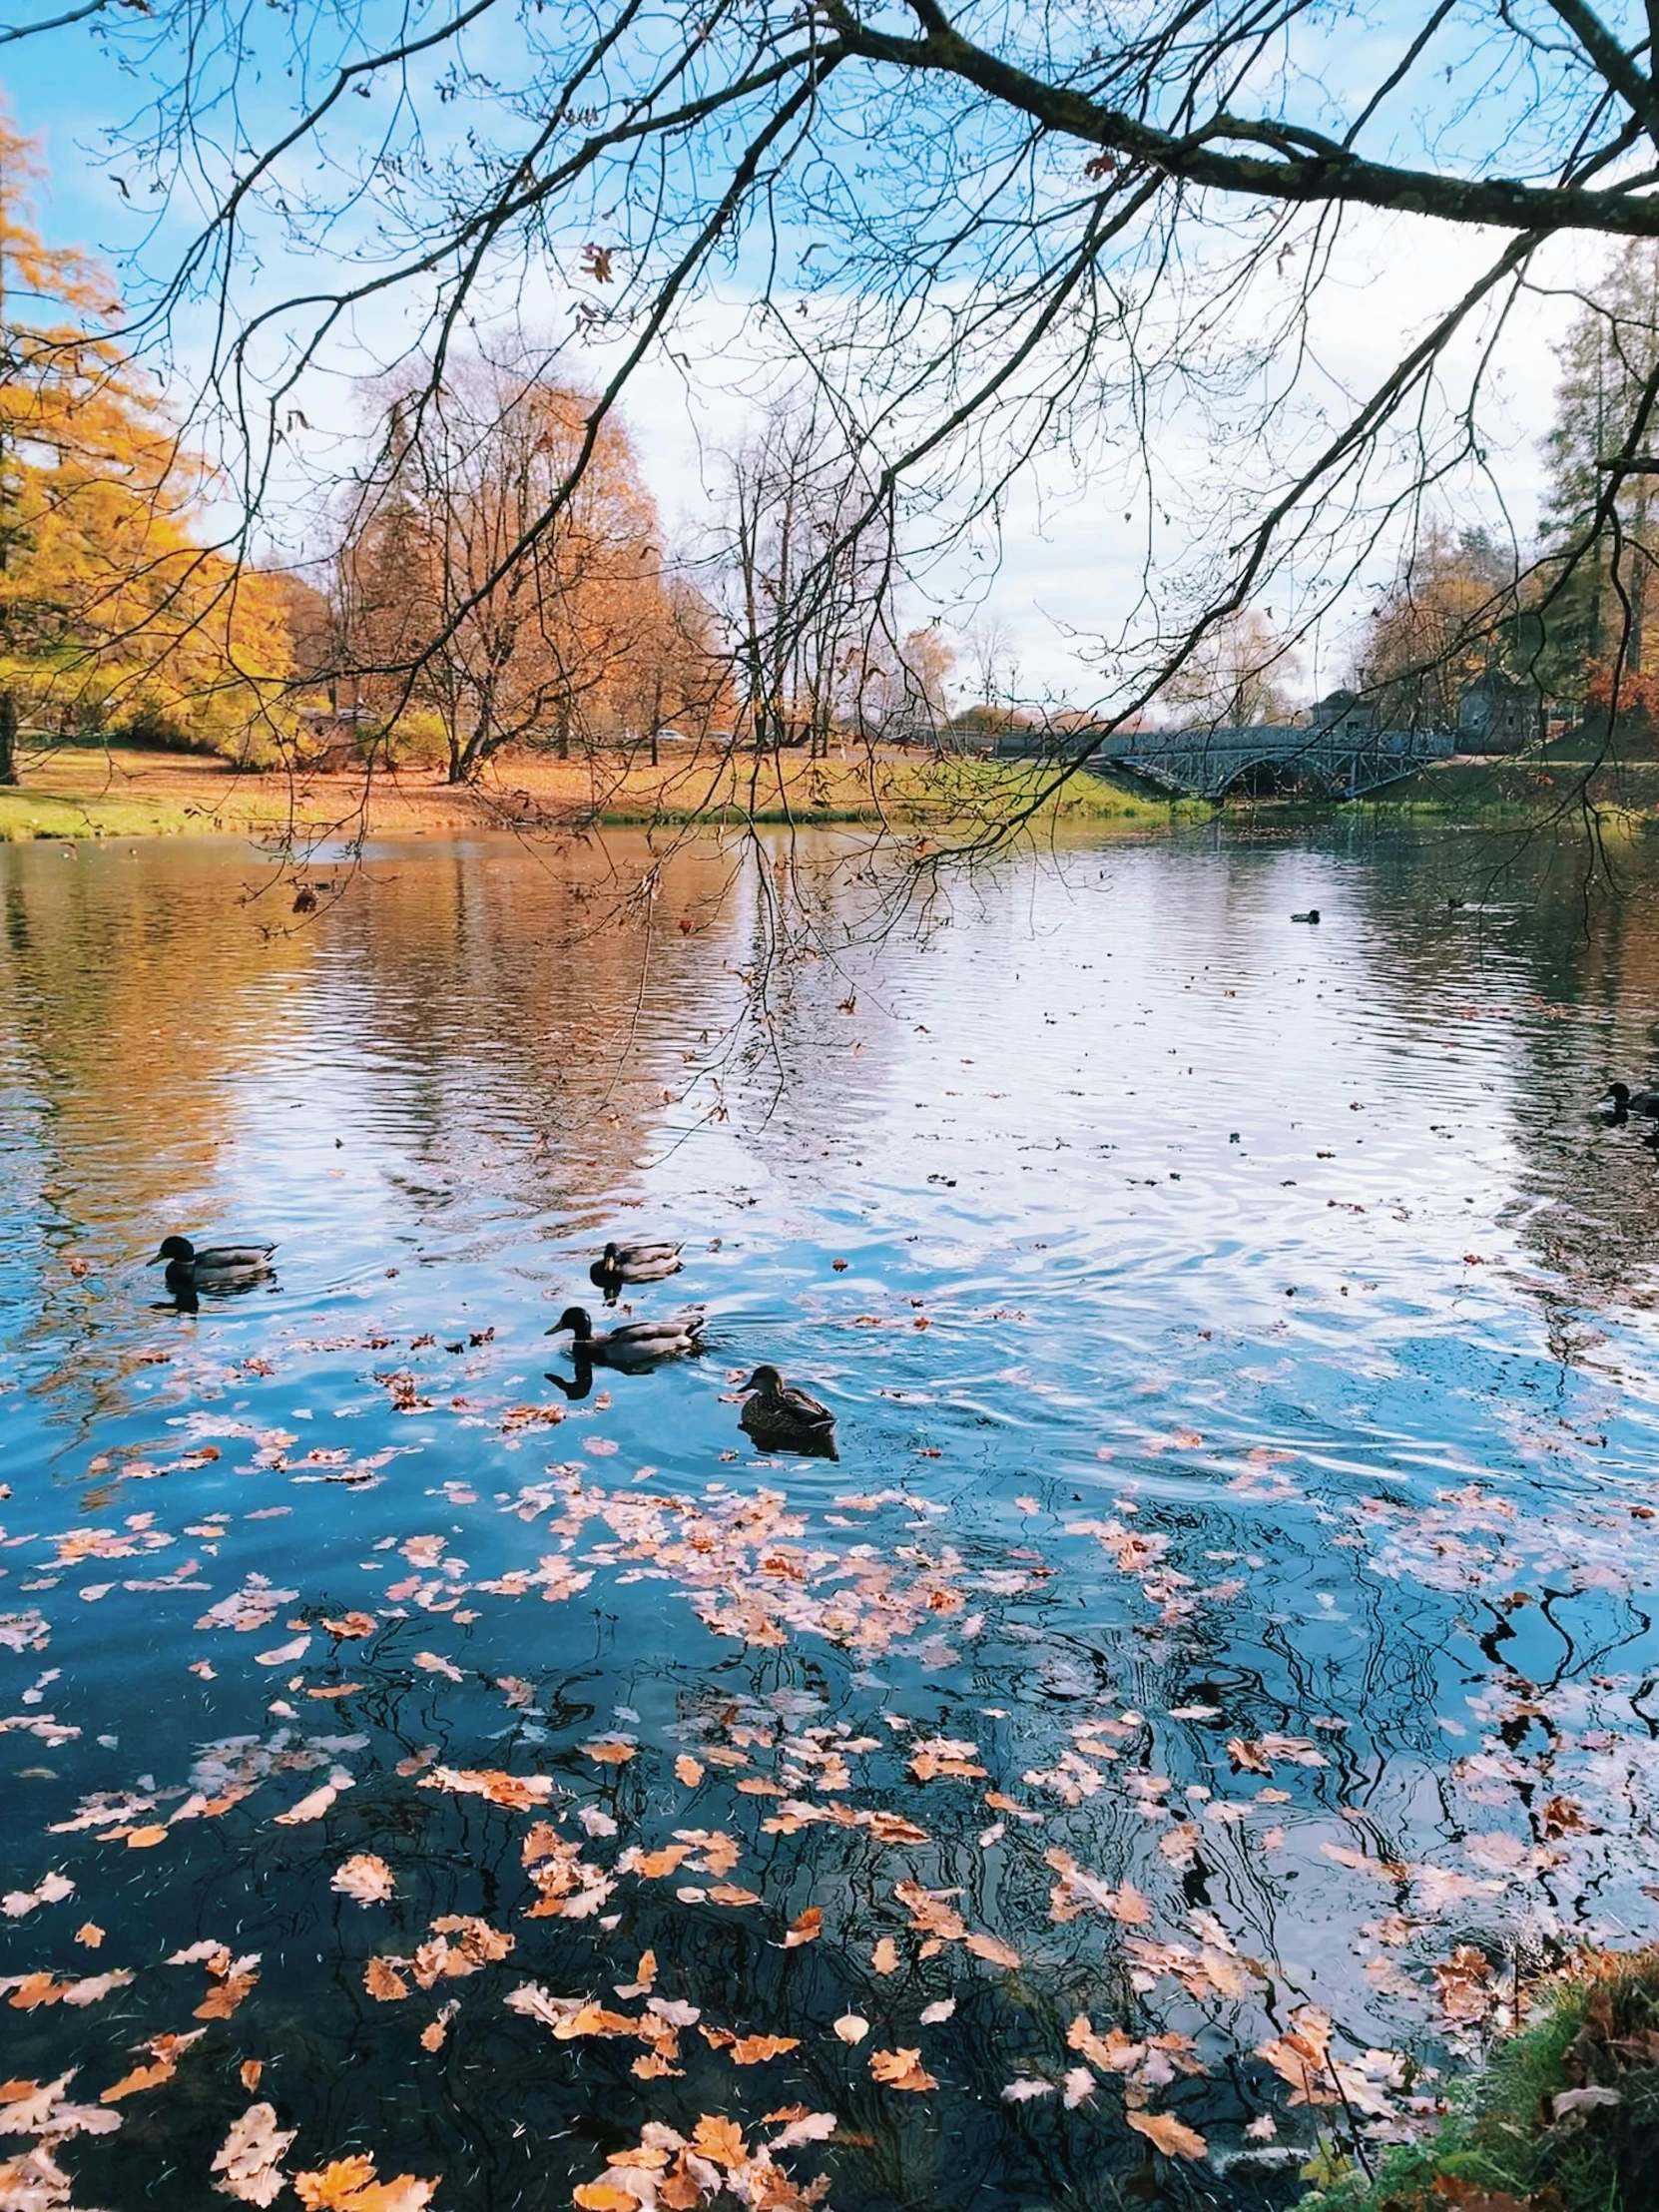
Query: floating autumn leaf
x,y
365,1877
901,2069
146,1837
248,2073
350,1627
1077,1889
348,2185
1467,1985
749,2050
220,2004
806,1927
851,2027
719,2141
991,1949
430,1663
51,1889
687,1769
1079,2088
165,2051
250,2159
382,1982
518,1792
1302,2056
1023,2090
940,1755
611,1752
90,1933
1168,2134
885,1956
727,1892
316,1803
941,2009
476,1946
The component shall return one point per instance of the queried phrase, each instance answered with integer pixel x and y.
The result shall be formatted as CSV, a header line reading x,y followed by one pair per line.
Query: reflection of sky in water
x,y
1243,1338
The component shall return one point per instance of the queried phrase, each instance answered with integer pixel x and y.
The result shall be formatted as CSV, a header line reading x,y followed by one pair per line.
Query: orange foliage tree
x,y
110,612
479,583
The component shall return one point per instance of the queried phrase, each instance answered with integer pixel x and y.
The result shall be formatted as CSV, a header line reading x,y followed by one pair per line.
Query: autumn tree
x,y
463,592
1447,615
109,608
1238,674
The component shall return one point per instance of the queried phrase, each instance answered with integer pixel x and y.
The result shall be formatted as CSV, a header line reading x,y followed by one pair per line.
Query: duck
x,y
635,1263
214,1267
1625,1101
779,1414
1312,914
632,1344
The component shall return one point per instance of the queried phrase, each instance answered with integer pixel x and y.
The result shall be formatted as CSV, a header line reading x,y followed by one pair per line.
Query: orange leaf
x,y
1171,2136
719,2141
901,2069
994,1948
752,2050
381,1980
805,1929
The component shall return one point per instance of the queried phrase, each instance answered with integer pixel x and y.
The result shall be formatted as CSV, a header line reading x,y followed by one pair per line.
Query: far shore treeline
x,y
494,575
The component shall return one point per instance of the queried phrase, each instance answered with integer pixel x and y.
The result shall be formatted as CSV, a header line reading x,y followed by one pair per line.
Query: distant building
x,y
1496,713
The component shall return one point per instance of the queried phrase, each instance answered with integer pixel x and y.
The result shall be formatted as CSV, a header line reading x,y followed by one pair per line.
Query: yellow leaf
x,y
901,2069
805,1929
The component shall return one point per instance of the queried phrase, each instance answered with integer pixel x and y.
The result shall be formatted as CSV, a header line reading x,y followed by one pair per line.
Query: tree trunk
x,y
8,739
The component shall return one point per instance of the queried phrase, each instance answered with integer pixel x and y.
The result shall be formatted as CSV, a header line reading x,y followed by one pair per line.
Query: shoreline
x,y
81,794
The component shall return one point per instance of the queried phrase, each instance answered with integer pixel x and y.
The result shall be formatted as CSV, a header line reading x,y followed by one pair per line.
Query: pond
x,y
1215,1669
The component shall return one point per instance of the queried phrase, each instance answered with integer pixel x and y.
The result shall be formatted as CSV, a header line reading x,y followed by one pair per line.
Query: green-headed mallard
x,y
223,1267
632,1344
635,1263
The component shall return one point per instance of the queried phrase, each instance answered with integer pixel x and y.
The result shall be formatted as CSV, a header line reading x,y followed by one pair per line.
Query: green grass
x,y
26,814
1500,2150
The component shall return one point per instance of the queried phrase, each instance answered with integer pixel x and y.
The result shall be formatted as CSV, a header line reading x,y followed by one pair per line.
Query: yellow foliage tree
x,y
111,615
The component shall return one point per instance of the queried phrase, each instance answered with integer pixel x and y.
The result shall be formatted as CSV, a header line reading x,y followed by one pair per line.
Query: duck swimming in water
x,y
632,1344
634,1263
1312,914
214,1267
1625,1101
780,1417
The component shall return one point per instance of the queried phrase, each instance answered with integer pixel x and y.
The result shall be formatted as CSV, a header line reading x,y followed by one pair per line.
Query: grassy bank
x,y
1565,2118
1504,791
79,792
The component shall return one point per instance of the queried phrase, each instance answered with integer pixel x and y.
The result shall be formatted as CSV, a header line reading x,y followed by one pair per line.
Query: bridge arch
x,y
1280,776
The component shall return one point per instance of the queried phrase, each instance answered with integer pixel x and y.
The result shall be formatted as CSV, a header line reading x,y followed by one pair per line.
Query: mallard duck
x,y
634,1343
635,1263
215,1266
779,1415
1625,1101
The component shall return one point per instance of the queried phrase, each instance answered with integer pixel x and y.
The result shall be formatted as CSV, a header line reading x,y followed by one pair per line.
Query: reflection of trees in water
x,y
130,1008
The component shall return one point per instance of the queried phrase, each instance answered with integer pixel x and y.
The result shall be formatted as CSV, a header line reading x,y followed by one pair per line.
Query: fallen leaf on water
x,y
250,2159
251,2070
610,1753
727,1892
165,2051
349,1626
807,1929
1170,2135
687,1769
433,2034
1080,2087
901,2069
382,1981
51,1889
852,2028
885,1957
518,1792
431,1663
348,2185
143,1838
90,1933
1020,2093
992,1949
284,1654
719,2141
754,2050
365,1877
313,1806
932,2015
220,2004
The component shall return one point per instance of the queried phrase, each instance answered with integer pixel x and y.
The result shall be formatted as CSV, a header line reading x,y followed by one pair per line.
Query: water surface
x,y
1228,1619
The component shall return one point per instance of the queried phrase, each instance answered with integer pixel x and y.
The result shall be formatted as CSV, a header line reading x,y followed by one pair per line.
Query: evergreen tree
x,y
1597,610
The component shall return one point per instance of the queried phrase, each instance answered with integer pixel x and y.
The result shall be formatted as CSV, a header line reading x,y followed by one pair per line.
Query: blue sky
x,y
1066,566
